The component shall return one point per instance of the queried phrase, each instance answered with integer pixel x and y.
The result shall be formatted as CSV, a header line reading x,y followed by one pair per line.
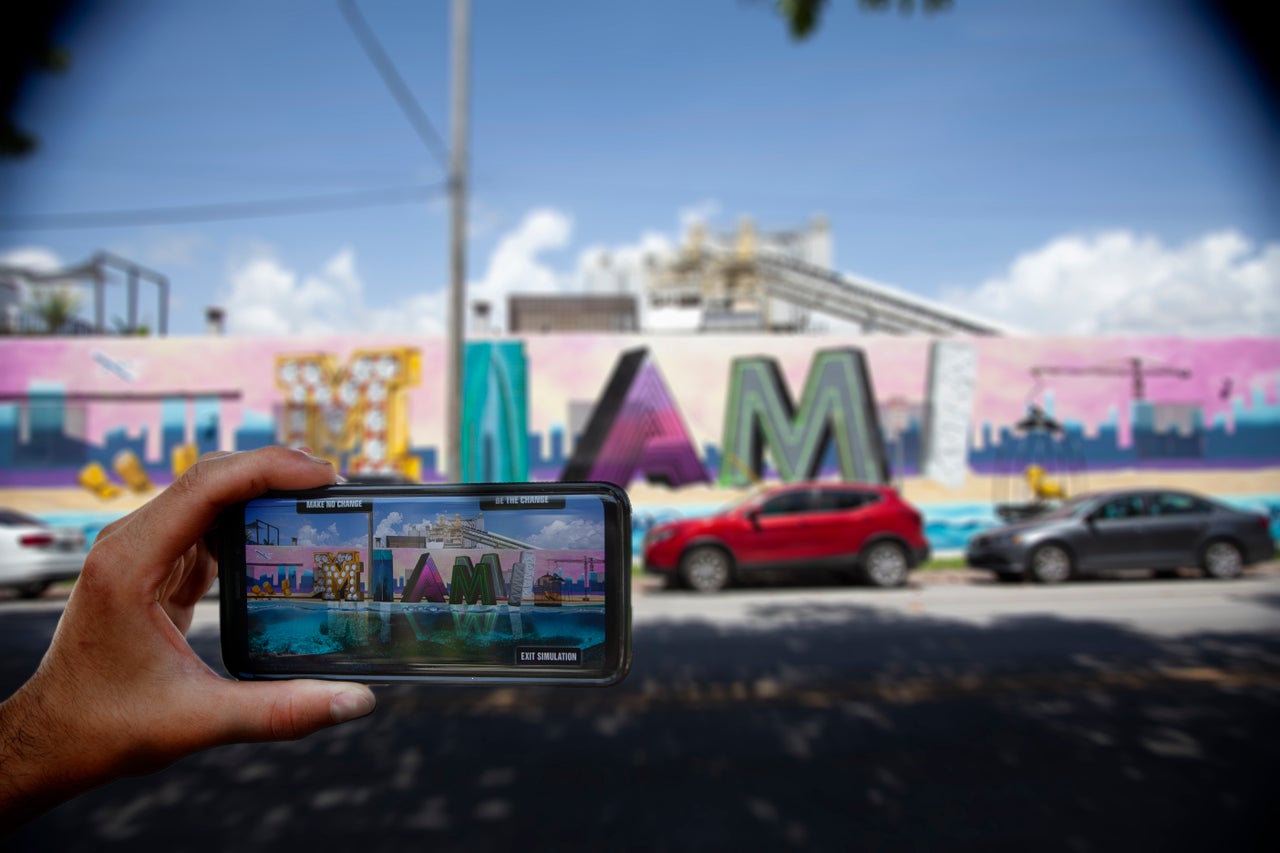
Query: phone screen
x,y
518,582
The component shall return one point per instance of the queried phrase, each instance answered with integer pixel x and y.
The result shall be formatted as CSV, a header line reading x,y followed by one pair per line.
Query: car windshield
x,y
1071,508
13,518
742,500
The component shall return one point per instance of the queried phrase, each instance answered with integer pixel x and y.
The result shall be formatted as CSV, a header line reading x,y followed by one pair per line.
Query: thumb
x,y
288,710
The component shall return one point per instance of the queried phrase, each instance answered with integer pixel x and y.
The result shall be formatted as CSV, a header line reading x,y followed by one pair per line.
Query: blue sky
x,y
332,530
1076,166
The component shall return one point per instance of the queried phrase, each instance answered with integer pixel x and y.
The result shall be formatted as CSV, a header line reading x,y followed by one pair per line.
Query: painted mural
x,y
680,421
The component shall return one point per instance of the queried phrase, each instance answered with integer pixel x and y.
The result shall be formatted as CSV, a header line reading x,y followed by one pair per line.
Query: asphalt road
x,y
1102,715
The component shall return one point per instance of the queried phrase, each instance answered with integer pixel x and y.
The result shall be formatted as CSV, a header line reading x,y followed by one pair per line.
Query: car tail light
x,y
36,540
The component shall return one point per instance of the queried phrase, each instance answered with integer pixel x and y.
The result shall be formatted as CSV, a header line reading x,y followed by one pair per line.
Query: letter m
x,y
838,406
470,583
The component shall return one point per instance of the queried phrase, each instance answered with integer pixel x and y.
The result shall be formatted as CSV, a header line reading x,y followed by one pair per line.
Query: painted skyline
x,y
62,406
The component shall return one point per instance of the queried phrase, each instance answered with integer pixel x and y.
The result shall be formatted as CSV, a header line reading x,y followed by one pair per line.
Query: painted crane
x,y
587,563
1132,367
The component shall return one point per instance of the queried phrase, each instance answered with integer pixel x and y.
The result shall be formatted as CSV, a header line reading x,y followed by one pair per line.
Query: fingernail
x,y
351,703
311,454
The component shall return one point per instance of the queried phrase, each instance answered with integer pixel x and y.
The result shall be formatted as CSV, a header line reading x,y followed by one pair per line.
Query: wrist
x,y
42,762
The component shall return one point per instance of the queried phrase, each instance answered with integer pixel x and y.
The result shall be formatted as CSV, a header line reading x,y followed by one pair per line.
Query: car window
x,y
787,503
1129,506
846,499
826,501
1072,508
1171,503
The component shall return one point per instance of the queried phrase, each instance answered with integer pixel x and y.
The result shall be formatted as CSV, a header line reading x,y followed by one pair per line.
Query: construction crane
x,y
1132,367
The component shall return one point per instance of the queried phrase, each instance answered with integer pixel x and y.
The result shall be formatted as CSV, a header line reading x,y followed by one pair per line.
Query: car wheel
x,y
705,568
35,589
1050,564
1222,560
885,564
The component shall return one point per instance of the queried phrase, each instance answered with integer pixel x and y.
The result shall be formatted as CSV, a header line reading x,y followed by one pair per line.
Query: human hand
x,y
120,691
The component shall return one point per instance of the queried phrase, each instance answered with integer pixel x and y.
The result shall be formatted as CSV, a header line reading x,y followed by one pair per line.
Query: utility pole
x,y
458,242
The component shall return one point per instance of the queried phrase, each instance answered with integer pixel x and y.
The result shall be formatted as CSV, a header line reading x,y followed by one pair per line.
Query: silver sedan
x,y
1155,529
34,555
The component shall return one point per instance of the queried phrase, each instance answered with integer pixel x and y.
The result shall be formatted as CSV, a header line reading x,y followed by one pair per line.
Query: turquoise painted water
x,y
426,633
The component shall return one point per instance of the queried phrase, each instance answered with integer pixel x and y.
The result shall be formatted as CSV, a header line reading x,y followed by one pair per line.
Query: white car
x,y
34,555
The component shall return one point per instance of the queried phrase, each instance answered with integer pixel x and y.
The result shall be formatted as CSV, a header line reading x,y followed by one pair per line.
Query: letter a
x,y
636,427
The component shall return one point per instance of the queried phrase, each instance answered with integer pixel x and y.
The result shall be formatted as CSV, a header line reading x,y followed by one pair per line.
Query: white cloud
x,y
699,213
315,537
621,268
1117,282
516,265
312,536
267,298
576,533
389,526
34,258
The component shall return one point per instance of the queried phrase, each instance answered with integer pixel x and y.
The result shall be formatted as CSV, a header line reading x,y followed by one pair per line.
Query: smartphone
x,y
496,583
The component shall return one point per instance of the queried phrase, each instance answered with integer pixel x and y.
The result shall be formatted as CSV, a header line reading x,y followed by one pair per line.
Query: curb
x,y
950,577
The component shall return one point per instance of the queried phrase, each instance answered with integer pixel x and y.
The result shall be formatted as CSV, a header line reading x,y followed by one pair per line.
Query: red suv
x,y
868,530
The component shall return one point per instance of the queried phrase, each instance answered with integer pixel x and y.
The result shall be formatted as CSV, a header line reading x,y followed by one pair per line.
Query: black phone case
x,y
534,662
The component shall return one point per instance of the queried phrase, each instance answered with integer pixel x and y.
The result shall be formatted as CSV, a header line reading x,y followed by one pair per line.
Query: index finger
x,y
162,530
123,521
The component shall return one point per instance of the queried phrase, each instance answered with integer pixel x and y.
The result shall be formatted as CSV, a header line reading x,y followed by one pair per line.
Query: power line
x,y
261,209
395,83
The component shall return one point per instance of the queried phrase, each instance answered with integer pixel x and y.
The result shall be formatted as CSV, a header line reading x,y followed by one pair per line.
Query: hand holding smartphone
x,y
506,583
